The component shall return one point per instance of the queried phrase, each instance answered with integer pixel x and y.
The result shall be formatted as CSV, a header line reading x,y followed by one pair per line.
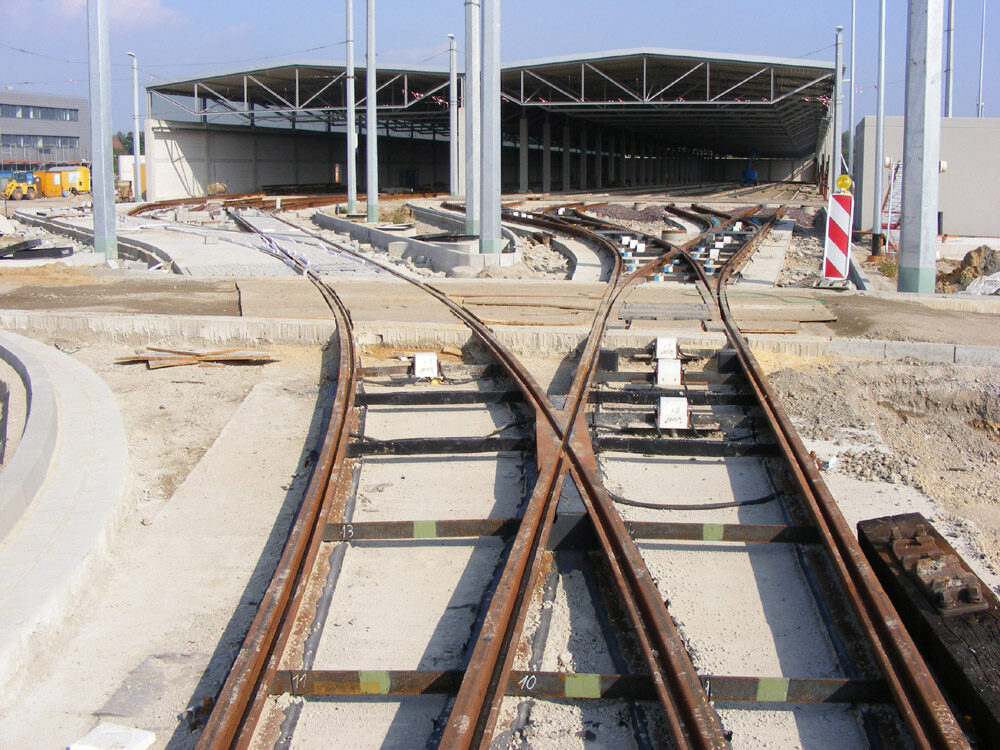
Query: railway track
x,y
413,604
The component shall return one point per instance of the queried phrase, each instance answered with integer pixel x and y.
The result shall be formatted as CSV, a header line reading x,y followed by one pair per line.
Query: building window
x,y
11,140
27,112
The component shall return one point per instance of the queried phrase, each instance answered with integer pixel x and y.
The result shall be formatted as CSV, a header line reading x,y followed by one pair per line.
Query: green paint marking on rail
x,y
582,686
772,689
425,530
374,683
712,532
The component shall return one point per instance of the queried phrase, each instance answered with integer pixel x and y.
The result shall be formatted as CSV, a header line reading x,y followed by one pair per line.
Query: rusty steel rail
x,y
915,693
691,720
563,449
917,696
264,202
242,698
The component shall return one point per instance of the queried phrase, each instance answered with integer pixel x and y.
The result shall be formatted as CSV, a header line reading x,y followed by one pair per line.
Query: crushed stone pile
x,y
981,262
874,466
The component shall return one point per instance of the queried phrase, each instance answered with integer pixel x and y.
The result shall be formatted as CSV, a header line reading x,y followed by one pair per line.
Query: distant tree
x,y
121,143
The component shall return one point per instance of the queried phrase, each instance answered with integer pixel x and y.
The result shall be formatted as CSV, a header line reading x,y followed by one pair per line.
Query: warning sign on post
x,y
836,251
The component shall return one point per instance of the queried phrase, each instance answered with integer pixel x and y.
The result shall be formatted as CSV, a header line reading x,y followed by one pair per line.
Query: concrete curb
x,y
152,328
75,504
128,247
27,469
403,334
439,257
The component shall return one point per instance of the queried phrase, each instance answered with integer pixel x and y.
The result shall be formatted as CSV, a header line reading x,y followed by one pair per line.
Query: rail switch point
x,y
668,373
673,413
425,365
665,347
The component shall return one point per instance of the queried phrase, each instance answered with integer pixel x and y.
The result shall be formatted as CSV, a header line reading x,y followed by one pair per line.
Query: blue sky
x,y
43,46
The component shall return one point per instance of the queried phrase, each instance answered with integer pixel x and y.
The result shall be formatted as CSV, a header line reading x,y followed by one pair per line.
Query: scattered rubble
x,y
874,466
648,220
984,261
804,257
930,426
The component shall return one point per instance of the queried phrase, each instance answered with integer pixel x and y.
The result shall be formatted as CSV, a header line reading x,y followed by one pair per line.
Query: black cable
x,y
708,506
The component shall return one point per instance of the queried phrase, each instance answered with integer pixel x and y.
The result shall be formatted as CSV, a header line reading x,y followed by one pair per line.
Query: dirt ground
x,y
933,427
134,659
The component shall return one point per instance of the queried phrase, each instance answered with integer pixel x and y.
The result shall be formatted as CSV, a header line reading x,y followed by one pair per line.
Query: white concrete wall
x,y
186,157
971,146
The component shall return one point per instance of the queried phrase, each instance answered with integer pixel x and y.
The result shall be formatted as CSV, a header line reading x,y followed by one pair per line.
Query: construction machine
x,y
17,187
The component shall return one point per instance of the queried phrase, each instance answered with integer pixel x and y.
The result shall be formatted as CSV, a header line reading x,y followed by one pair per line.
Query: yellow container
x,y
70,180
50,183
75,179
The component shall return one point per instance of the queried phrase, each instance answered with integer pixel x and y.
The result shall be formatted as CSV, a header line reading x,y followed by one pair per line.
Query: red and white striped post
x,y
836,252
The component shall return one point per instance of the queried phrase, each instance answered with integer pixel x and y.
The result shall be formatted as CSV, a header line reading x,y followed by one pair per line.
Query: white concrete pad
x,y
107,736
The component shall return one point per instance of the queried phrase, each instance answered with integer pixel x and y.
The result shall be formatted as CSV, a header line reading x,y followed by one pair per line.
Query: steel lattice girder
x,y
723,104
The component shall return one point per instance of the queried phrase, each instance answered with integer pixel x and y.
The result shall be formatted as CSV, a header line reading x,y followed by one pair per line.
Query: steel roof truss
x,y
611,80
675,81
272,92
803,87
562,91
332,81
745,80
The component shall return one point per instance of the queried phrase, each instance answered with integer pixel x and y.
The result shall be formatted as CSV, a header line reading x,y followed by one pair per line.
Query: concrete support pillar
x,y
643,164
611,157
583,158
522,170
625,177
546,157
635,162
921,147
566,143
598,161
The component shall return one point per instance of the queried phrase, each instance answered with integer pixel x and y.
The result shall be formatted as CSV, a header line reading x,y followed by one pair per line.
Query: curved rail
x,y
915,692
242,696
564,449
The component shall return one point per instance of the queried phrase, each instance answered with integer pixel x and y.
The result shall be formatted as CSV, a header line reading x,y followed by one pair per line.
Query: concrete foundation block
x,y
860,348
397,249
796,347
106,736
920,350
984,356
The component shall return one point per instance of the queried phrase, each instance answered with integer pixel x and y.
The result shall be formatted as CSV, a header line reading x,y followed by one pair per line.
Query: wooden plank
x,y
191,353
962,646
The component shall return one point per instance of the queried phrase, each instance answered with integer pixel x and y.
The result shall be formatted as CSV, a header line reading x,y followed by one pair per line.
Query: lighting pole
x,y
371,120
102,184
352,119
921,147
491,241
473,121
850,99
980,104
879,137
453,144
136,167
836,165
949,39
